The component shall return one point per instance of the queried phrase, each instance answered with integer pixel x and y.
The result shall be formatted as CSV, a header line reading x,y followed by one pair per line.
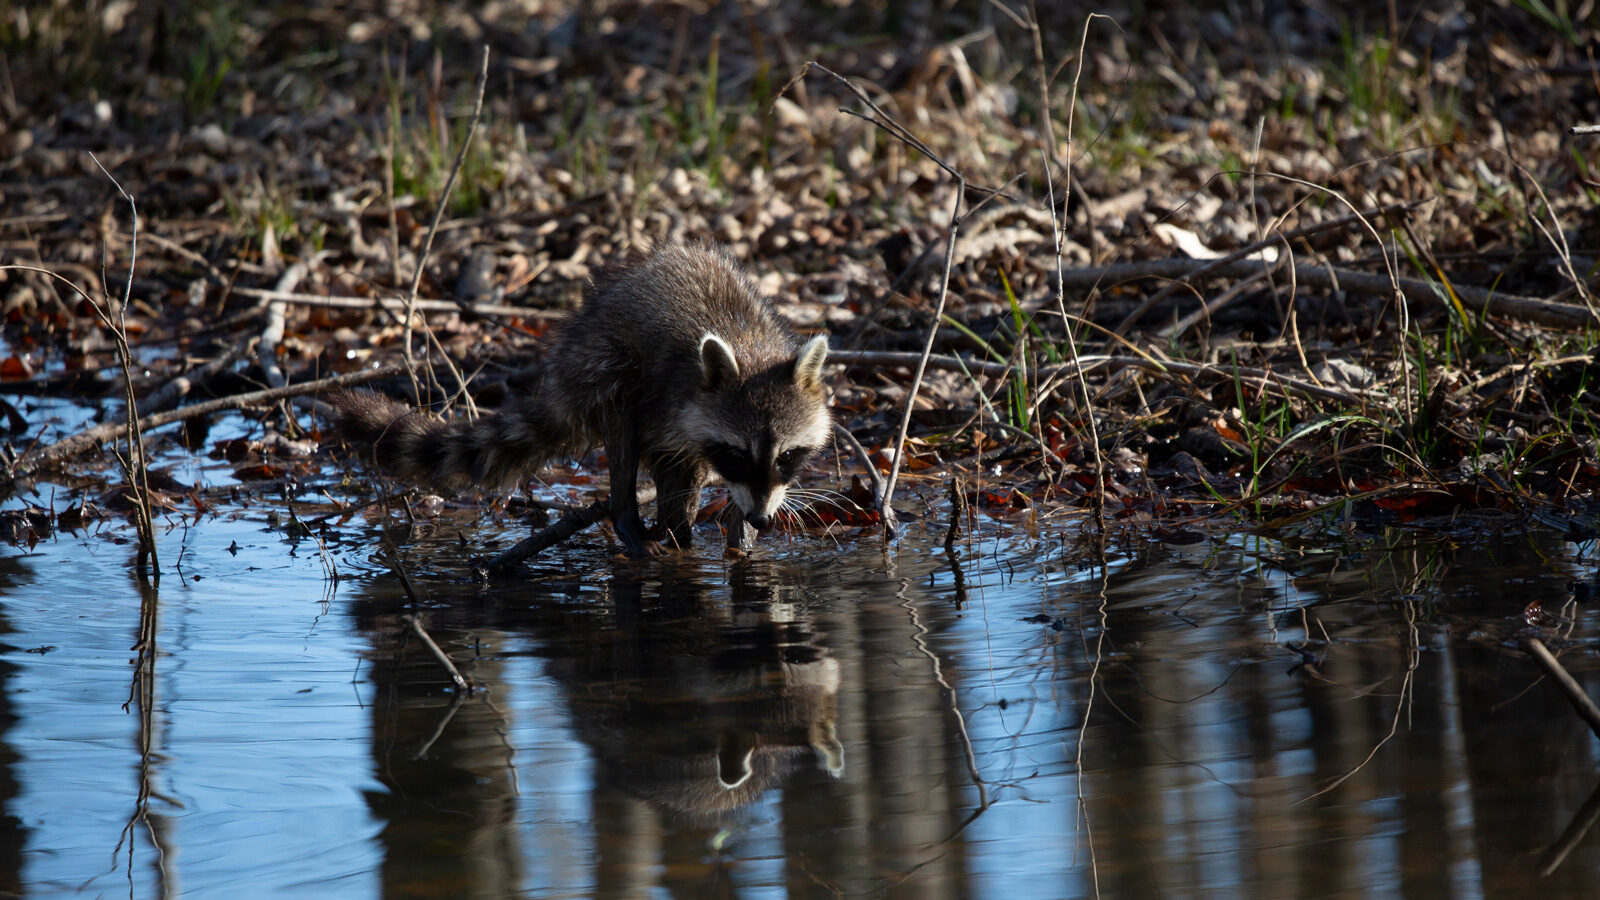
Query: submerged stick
x,y
1581,702
571,522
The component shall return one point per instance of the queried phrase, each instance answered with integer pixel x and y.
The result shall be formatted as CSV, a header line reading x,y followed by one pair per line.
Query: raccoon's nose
x,y
758,521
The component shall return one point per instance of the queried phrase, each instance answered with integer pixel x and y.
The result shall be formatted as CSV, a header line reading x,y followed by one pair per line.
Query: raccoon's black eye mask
x,y
733,464
736,465
790,461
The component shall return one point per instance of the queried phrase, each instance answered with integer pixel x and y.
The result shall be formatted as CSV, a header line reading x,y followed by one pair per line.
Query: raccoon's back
x,y
649,314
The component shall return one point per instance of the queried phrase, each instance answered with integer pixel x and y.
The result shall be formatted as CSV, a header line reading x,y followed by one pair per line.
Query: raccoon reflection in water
x,y
699,707
675,362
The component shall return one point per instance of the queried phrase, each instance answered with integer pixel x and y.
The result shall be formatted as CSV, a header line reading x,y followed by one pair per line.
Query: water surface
x,y
1203,716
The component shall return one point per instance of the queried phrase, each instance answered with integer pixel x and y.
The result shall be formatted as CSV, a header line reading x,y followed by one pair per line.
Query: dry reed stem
x,y
887,123
1058,234
135,466
433,228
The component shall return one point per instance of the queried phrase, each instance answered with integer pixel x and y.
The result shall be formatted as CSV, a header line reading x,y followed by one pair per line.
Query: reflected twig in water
x,y
958,513
459,698
505,738
1099,550
920,639
142,693
1582,821
1413,659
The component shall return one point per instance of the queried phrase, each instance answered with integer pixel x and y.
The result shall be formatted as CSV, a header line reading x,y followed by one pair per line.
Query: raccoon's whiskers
x,y
791,503
833,498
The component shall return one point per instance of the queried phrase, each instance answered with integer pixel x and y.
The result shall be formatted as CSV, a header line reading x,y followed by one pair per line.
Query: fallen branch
x,y
1204,268
571,522
169,394
1543,312
1112,364
396,305
272,334
92,437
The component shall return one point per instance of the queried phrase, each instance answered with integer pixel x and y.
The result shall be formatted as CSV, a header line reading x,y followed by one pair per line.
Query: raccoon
x,y
675,362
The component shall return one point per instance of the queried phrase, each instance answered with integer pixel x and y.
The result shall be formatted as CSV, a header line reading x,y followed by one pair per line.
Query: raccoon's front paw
x,y
645,549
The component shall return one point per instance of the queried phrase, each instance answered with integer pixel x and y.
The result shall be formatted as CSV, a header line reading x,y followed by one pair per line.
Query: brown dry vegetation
x,y
1284,386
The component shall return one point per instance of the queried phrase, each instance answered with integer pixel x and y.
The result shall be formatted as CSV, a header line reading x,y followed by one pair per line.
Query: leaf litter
x,y
1427,362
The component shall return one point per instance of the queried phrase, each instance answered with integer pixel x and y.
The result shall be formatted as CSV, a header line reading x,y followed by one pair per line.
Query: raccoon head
x,y
757,429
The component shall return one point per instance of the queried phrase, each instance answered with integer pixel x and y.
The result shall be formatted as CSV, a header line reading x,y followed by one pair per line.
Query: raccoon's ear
x,y
718,368
808,366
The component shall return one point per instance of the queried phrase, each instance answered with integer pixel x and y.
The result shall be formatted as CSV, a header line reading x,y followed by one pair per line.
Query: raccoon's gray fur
x,y
675,362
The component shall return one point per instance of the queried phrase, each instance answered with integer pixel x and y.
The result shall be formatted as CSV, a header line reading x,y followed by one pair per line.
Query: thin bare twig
x,y
884,121
461,682
885,510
